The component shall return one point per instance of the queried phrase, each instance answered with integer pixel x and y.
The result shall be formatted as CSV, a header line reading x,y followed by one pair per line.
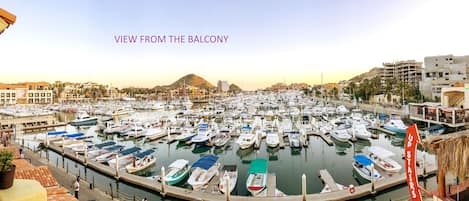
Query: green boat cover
x,y
258,166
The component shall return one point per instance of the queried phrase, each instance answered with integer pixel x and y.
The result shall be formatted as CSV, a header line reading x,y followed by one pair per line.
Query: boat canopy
x,y
363,160
203,125
129,150
230,168
205,162
105,144
115,147
145,153
381,152
258,166
56,133
74,135
247,127
179,164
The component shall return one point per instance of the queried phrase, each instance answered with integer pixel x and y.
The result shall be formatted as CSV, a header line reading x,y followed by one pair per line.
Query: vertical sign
x,y
412,138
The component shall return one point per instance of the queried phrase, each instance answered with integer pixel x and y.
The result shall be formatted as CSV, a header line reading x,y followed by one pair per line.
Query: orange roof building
x,y
6,19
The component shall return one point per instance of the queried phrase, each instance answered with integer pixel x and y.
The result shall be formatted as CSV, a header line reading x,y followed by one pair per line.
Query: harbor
x,y
318,153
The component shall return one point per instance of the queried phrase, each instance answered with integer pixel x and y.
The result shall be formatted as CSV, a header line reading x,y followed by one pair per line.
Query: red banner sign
x,y
412,138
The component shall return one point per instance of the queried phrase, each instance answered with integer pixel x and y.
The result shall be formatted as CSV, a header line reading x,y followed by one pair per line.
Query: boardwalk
x,y
328,180
324,137
271,184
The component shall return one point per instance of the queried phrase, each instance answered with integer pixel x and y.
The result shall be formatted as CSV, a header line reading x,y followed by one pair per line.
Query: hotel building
x,y
442,71
408,71
25,93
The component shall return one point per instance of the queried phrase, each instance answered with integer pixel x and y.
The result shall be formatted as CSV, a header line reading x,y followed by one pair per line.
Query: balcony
x,y
436,114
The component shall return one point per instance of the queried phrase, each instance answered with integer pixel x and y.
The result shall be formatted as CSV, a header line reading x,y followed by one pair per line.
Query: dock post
x,y
303,186
372,179
86,156
163,181
117,166
424,169
227,187
63,145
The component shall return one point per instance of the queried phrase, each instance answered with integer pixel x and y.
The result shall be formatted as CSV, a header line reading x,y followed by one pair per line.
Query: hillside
x,y
192,80
367,75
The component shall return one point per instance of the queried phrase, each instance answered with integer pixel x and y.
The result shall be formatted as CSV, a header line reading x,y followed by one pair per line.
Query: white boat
x,y
221,139
185,136
141,161
135,131
341,110
83,119
341,134
294,139
257,176
395,124
360,131
125,157
272,140
382,158
363,167
203,170
231,172
203,135
246,140
106,150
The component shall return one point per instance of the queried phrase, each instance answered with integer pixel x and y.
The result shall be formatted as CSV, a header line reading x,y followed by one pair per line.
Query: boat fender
x,y
351,188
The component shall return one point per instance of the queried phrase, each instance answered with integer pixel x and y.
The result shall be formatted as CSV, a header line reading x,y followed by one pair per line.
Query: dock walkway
x,y
271,184
328,180
324,137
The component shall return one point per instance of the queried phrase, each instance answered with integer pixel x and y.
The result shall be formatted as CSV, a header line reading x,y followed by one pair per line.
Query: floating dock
x,y
324,137
271,184
328,180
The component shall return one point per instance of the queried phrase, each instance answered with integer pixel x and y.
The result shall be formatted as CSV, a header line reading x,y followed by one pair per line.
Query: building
x,y
408,71
223,86
25,93
442,71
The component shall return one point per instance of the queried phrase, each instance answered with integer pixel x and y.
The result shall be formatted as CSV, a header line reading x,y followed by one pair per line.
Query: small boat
x,y
185,136
203,135
135,132
177,171
246,140
396,125
105,150
257,179
231,172
432,130
341,134
83,119
125,157
360,131
115,129
81,149
203,170
141,161
294,139
382,158
363,166
272,140
341,110
221,139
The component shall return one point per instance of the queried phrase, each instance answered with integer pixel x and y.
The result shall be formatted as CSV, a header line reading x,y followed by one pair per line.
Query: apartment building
x,y
443,71
408,71
25,93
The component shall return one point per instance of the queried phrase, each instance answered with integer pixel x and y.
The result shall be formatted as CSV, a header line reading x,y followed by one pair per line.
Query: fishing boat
x,y
141,161
83,119
396,125
203,135
221,139
363,166
360,131
294,139
203,170
231,172
177,171
246,140
272,140
382,158
185,136
341,134
257,176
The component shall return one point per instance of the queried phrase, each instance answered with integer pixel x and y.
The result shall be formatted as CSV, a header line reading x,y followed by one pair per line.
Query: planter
x,y
7,177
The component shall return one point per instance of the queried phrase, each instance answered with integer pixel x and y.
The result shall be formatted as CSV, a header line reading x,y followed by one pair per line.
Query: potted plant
x,y
7,169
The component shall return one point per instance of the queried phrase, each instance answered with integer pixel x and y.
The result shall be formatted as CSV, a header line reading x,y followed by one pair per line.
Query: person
x,y
76,186
21,153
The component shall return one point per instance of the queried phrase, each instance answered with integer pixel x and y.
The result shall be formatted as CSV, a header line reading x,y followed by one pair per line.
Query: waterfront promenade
x,y
375,108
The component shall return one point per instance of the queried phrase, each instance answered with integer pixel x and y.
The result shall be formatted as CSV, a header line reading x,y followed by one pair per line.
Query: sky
x,y
269,41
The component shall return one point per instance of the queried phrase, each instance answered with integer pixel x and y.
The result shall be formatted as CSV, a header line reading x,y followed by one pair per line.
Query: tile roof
x,y
22,164
42,174
61,197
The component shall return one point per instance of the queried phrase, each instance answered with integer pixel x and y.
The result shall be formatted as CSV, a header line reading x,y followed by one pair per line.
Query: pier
x,y
324,137
382,130
328,180
271,184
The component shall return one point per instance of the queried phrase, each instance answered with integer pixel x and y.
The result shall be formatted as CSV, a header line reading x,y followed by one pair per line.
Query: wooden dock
x,y
383,130
324,137
271,184
212,186
156,137
42,127
327,179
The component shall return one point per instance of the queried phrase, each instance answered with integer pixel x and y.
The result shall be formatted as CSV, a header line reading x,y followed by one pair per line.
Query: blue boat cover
x,y
129,151
105,144
363,160
203,125
205,162
145,153
247,127
116,147
56,132
74,135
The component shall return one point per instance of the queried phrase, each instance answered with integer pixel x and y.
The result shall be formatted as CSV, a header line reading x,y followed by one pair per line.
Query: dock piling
x,y
163,181
372,179
303,186
86,156
63,147
117,166
227,187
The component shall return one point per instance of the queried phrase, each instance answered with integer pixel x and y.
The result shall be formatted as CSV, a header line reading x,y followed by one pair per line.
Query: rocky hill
x,y
234,89
367,75
190,80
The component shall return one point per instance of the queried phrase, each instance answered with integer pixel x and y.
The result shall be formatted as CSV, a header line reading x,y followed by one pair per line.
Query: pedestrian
x,y
76,186
21,153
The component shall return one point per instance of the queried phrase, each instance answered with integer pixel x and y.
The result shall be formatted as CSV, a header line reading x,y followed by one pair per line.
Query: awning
x,y
205,162
258,166
363,160
381,152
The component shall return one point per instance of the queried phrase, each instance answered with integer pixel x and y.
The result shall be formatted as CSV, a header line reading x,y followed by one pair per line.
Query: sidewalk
x,y
66,180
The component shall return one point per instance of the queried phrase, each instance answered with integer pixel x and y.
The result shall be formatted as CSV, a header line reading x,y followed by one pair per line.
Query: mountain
x,y
367,75
234,88
192,80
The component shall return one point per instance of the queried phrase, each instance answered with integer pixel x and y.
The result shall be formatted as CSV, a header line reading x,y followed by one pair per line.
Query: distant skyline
x,y
269,41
